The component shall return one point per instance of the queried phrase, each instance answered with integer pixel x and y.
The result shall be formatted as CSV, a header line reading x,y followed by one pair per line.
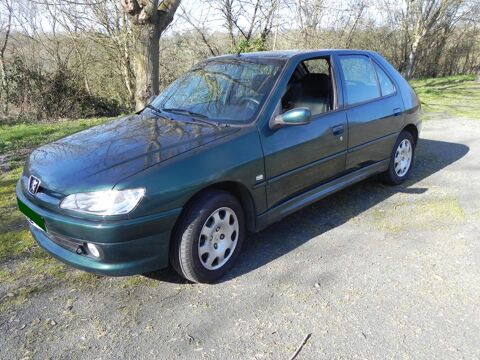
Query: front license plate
x,y
32,216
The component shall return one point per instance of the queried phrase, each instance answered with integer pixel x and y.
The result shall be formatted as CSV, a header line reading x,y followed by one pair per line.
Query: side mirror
x,y
297,116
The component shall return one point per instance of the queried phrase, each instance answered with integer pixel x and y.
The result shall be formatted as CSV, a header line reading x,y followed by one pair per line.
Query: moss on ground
x,y
430,212
18,297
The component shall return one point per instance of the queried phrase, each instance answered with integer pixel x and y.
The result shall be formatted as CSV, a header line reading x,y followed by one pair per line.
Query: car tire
x,y
208,237
401,160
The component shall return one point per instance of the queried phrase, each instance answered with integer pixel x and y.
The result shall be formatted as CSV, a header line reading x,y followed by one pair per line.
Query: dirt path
x,y
372,272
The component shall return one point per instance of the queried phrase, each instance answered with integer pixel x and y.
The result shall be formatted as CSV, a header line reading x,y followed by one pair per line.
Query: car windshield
x,y
229,90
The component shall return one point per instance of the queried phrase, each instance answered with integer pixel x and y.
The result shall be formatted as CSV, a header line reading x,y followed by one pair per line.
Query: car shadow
x,y
284,236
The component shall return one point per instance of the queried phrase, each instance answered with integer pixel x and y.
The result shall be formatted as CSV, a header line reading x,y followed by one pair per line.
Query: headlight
x,y
110,202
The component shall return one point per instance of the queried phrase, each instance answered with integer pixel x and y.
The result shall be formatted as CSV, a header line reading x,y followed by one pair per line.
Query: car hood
x,y
101,156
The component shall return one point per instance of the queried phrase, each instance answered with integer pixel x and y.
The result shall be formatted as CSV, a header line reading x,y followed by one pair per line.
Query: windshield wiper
x,y
194,115
157,110
185,111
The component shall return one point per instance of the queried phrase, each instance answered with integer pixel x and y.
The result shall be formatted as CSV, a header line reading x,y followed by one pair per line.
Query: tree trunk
x,y
4,91
147,55
149,18
412,57
4,88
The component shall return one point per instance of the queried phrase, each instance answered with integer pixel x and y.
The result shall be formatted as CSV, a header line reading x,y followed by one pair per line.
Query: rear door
x,y
374,110
298,158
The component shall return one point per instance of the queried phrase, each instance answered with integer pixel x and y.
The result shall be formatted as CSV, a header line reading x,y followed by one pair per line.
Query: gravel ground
x,y
372,272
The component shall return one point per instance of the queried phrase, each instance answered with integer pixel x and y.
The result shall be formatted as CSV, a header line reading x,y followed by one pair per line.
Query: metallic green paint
x,y
130,245
134,257
273,171
91,159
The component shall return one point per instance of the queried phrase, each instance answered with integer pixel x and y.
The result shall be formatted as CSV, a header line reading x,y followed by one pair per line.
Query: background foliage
x,y
70,59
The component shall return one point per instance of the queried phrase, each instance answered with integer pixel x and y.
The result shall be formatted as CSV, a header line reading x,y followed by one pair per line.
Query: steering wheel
x,y
355,83
250,99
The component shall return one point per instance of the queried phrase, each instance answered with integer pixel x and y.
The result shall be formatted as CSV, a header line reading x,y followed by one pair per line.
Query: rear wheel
x,y
208,237
401,159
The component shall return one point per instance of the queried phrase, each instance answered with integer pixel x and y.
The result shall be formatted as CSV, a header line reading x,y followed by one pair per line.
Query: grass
x,y
450,96
18,138
22,262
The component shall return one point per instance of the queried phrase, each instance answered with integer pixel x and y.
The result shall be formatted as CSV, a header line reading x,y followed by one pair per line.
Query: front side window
x,y
226,90
360,79
310,86
386,84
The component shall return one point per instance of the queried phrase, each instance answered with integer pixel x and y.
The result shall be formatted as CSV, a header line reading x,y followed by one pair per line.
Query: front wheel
x,y
209,236
401,159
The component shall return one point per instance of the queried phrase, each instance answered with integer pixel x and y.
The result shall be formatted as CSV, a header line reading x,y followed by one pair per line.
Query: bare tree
x,y
149,18
358,10
422,20
200,25
247,21
309,14
116,37
6,28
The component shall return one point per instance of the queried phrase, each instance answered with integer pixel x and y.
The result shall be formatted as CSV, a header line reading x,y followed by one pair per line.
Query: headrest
x,y
316,84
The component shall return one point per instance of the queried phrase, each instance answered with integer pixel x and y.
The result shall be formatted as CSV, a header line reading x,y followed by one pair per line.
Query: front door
x,y
300,157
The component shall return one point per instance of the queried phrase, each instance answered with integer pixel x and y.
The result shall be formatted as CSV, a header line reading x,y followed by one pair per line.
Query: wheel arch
x,y
412,129
238,190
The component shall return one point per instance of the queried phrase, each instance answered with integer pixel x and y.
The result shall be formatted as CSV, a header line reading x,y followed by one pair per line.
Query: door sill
x,y
309,197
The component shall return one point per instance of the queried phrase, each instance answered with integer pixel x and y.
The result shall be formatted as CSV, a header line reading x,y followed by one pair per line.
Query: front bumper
x,y
128,247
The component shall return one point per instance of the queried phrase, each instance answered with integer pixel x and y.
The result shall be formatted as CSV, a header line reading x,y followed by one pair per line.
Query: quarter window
x,y
386,85
360,79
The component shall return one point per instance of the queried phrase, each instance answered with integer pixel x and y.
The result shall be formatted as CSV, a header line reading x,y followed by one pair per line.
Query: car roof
x,y
287,54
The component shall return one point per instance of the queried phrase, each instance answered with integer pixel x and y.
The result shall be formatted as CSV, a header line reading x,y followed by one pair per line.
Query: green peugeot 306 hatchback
x,y
235,144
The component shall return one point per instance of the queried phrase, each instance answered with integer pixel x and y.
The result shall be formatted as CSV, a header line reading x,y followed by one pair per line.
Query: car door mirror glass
x,y
297,116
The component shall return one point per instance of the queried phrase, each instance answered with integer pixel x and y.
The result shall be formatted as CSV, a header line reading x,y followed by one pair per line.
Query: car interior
x,y
310,86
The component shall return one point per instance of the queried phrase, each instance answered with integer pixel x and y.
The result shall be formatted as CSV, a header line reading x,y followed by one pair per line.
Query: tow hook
x,y
80,250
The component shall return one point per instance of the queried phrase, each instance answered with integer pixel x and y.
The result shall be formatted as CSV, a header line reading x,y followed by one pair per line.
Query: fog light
x,y
93,250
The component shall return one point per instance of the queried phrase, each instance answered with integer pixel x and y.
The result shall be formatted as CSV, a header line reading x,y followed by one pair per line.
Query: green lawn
x,y
21,258
16,139
451,96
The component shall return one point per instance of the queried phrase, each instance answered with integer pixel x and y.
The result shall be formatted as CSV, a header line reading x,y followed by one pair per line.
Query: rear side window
x,y
360,79
386,85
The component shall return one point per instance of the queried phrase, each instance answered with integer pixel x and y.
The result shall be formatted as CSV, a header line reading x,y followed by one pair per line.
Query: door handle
x,y
338,130
397,112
